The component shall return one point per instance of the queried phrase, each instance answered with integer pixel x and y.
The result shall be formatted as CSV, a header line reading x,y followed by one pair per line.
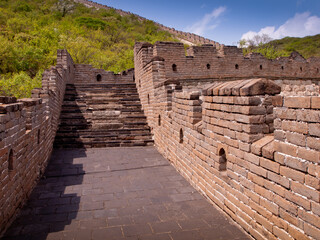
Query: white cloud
x,y
301,25
208,22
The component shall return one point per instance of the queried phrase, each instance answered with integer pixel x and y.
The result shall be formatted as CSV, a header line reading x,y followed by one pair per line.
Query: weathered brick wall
x,y
269,194
27,131
253,154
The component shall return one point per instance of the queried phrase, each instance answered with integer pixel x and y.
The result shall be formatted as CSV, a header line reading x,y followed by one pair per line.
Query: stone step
x,y
105,144
96,87
126,112
79,115
111,102
100,115
102,123
104,108
102,126
109,131
84,139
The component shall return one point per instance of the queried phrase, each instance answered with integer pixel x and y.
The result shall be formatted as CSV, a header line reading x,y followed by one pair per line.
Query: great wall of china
x,y
243,130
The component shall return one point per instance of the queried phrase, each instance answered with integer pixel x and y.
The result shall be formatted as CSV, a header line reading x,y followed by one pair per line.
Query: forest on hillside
x,y
307,46
31,31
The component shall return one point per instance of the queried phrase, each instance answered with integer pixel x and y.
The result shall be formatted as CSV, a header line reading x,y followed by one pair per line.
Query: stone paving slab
x,y
118,193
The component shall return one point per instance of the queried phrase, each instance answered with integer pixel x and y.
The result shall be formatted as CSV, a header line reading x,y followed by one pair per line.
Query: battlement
x,y
224,62
87,74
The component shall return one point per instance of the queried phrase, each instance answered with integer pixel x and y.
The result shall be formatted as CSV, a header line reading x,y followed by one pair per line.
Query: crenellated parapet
x,y
224,62
87,74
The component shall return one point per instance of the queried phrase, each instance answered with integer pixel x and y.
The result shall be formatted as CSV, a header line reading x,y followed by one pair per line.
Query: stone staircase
x,y
102,115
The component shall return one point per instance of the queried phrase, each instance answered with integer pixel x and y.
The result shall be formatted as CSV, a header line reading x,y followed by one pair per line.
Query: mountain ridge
x,y
186,36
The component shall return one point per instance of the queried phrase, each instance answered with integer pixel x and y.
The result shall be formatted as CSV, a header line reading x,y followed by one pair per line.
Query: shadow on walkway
x,y
55,200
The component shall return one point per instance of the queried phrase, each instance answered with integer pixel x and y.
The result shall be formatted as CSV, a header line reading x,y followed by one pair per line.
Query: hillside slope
x,y
31,31
307,46
184,37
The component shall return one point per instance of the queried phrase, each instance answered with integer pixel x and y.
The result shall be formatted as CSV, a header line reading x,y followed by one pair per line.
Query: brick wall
x,y
88,75
297,145
27,131
250,151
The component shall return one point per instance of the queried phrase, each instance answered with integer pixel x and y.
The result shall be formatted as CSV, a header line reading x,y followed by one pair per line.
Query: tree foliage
x,y
31,31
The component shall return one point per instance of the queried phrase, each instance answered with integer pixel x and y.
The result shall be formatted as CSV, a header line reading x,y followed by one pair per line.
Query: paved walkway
x,y
118,193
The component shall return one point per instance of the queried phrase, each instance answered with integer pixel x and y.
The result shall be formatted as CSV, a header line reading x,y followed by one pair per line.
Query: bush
x,y
91,23
19,84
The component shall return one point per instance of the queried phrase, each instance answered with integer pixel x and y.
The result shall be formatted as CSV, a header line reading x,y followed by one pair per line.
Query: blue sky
x,y
228,21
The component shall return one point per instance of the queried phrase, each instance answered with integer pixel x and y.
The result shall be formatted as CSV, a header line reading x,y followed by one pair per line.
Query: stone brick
x,y
256,179
312,182
297,102
314,129
295,198
292,174
311,231
315,208
251,191
284,113
313,143
286,148
299,127
256,147
280,158
310,155
279,179
306,115
263,221
296,233
281,233
288,206
270,206
289,217
270,165
315,102
314,170
305,191
277,101
252,158
258,170
309,217
268,150
279,222
296,138
296,163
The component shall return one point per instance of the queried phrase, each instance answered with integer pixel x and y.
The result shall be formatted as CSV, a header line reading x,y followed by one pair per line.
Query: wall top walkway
x,y
120,193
